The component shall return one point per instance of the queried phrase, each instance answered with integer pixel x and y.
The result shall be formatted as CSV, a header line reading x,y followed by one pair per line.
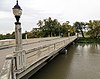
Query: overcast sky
x,y
34,10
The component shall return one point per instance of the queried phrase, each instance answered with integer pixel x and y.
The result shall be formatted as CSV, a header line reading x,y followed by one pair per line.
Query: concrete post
x,y
18,36
26,36
19,52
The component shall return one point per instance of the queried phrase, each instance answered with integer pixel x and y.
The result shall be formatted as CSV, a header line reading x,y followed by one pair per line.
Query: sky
x,y
35,10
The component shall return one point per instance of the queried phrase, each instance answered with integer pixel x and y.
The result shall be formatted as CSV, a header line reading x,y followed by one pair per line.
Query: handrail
x,y
41,47
11,42
7,70
36,54
34,49
6,43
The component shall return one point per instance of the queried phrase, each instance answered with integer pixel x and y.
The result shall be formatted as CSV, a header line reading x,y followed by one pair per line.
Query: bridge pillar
x,y
64,51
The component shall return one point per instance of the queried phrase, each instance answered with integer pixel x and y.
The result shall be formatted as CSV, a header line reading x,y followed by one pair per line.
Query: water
x,y
82,62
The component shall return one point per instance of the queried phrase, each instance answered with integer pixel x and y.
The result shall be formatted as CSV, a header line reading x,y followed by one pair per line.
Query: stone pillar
x,y
18,36
20,58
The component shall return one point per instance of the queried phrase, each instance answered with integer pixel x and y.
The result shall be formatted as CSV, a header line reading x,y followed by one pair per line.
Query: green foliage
x,y
1,36
23,35
13,35
49,27
88,40
79,26
94,28
46,28
52,27
7,36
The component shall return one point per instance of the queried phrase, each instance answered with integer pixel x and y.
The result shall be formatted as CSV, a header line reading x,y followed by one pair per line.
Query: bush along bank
x,y
88,40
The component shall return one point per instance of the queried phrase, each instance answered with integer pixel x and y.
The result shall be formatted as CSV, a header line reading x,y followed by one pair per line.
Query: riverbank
x,y
88,40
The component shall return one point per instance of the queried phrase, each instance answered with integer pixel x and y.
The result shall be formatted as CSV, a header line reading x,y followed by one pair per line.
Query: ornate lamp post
x,y
17,11
19,53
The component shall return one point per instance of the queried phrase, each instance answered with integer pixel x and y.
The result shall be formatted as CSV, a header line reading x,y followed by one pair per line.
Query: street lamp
x,y
17,11
20,59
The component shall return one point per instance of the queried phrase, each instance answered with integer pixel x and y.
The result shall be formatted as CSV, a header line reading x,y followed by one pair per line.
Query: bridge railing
x,y
36,54
6,43
11,42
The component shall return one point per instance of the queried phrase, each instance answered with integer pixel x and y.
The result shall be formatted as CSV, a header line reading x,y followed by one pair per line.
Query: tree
x,y
72,31
56,27
64,29
1,36
8,36
67,29
94,28
36,32
49,27
79,26
13,35
30,35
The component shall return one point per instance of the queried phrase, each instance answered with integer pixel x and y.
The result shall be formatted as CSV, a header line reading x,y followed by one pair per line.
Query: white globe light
x,y
17,11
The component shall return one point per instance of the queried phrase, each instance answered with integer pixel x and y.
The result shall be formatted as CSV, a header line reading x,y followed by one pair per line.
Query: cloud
x,y
4,14
34,10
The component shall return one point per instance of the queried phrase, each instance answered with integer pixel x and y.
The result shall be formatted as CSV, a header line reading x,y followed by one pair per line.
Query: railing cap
x,y
10,56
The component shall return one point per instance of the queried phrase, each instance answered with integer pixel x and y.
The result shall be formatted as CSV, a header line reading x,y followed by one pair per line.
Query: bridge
x,y
35,54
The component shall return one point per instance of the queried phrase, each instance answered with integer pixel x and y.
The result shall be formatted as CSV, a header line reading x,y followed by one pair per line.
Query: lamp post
x,y
19,52
17,11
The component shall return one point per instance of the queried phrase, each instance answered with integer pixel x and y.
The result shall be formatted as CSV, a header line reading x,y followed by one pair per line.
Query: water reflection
x,y
82,62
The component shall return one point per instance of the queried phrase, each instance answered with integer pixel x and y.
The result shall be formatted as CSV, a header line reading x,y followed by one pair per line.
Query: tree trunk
x,y
82,33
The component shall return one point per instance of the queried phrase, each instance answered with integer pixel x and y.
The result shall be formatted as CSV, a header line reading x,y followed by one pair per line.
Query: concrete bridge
x,y
35,54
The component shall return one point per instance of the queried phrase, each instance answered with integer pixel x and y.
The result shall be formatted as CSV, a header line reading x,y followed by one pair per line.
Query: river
x,y
82,62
